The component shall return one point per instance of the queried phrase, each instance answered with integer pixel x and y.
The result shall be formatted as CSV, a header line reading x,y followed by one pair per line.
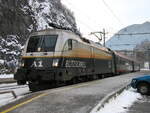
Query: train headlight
x,y
55,62
21,64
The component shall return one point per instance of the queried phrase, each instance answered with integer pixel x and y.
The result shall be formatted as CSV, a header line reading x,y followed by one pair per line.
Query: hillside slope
x,y
20,17
128,42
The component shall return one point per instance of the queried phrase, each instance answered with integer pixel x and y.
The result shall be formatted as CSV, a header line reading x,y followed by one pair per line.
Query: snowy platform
x,y
78,98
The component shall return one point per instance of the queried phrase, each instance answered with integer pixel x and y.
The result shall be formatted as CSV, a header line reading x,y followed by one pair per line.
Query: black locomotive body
x,y
54,56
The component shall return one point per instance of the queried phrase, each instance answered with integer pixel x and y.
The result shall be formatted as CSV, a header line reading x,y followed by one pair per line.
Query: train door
x,y
70,62
92,60
114,63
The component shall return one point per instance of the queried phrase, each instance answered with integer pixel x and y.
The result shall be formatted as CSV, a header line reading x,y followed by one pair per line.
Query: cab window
x,y
43,43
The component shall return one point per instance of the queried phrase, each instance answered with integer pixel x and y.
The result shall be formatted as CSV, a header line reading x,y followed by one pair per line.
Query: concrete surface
x,y
81,98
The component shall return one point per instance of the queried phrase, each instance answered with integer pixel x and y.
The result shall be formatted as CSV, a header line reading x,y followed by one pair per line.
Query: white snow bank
x,y
5,98
41,16
7,76
120,103
144,69
1,61
8,97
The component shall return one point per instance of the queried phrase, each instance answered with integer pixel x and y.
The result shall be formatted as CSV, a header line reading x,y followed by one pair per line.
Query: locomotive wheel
x,y
143,88
21,82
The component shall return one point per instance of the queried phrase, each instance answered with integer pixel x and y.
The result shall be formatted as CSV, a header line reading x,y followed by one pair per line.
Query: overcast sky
x,y
113,15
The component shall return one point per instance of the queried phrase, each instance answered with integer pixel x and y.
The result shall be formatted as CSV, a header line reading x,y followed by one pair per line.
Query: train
x,y
55,56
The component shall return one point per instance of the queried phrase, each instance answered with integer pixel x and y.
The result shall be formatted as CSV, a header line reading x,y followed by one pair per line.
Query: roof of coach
x,y
125,57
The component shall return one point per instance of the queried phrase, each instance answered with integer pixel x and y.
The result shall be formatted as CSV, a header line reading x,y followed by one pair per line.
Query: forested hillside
x,y
18,18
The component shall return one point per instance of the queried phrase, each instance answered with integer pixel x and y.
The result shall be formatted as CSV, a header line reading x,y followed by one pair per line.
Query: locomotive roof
x,y
49,31
77,37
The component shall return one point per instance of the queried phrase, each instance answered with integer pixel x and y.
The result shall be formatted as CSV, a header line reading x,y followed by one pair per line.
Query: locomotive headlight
x,y
55,62
21,64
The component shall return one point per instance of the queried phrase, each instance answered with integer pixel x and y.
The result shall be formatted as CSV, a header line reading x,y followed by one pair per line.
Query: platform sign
x,y
146,65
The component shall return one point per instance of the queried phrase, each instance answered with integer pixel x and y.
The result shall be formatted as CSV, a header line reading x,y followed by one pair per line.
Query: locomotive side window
x,y
43,43
74,44
70,45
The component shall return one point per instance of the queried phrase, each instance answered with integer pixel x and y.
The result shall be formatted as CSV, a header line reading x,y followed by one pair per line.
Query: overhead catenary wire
x,y
82,13
87,26
112,12
122,44
140,33
130,34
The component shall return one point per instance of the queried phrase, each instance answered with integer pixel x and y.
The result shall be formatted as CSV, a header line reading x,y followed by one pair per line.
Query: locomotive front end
x,y
39,60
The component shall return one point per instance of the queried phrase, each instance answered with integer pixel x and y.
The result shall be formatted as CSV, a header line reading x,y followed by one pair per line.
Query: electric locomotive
x,y
55,56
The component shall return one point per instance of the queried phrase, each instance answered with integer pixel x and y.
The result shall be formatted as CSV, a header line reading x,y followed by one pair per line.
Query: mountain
x,y
129,37
18,18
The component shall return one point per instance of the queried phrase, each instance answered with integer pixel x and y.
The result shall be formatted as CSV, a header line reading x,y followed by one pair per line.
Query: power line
x,y
86,25
122,44
89,18
81,12
112,12
144,33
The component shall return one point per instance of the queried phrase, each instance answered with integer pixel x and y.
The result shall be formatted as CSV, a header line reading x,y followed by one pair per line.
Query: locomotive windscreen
x,y
42,43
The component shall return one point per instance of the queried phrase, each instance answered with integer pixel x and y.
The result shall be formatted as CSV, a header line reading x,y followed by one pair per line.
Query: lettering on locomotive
x,y
75,63
37,63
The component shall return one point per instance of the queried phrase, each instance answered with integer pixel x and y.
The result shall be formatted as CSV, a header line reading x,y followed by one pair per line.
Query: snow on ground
x,y
6,76
144,69
120,103
8,97
1,61
41,15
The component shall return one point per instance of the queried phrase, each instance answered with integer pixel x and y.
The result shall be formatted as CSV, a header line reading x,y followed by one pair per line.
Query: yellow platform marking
x,y
44,94
23,103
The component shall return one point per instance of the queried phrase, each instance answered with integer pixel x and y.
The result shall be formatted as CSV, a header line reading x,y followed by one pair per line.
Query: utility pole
x,y
102,35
